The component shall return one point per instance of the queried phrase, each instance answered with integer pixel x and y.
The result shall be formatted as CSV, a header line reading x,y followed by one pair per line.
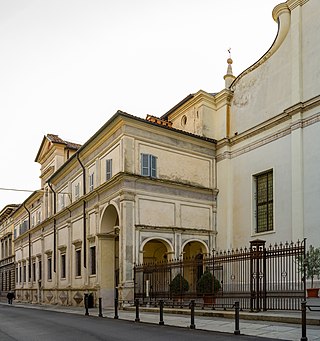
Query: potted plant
x,y
179,285
311,264
207,286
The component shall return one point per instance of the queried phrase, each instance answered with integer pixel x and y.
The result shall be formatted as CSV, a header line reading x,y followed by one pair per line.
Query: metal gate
x,y
259,277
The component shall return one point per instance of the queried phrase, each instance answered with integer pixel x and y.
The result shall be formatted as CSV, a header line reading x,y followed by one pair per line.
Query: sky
x,y
66,66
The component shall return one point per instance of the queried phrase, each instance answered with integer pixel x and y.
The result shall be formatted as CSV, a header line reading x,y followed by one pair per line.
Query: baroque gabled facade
x,y
216,171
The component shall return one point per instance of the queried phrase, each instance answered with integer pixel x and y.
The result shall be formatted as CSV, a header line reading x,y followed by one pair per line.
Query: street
x,y
23,324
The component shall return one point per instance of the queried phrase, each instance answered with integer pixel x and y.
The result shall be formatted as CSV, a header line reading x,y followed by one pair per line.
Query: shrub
x,y
179,285
206,284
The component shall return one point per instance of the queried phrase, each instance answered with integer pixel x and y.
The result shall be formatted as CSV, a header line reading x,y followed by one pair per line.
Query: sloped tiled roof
x,y
56,139
6,211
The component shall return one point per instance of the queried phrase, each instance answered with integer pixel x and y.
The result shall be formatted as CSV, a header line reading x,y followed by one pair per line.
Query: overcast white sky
x,y
66,66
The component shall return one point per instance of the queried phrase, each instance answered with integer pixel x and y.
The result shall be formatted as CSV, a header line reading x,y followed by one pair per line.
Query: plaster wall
x,y
286,78
311,49
276,156
311,158
113,154
179,166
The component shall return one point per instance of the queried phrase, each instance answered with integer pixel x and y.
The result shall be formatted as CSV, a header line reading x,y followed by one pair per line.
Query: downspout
x,y
29,241
54,228
84,214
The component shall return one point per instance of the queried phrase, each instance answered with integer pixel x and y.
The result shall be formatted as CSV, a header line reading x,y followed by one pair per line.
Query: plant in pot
x,y
179,285
311,264
207,286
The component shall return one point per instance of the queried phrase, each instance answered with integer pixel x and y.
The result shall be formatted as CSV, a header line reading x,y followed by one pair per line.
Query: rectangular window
x,y
148,165
49,268
264,201
24,273
92,260
78,263
40,270
33,271
62,202
63,265
20,274
108,169
91,181
17,273
77,191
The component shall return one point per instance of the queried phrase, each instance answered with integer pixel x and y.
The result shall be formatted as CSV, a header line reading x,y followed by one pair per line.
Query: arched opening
x,y
109,254
195,252
155,251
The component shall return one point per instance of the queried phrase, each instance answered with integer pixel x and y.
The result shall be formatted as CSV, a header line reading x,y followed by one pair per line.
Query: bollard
x,y
116,316
100,307
236,318
86,304
161,322
304,321
192,325
137,319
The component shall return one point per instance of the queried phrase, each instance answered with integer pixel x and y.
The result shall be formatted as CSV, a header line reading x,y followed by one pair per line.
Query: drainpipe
x,y
54,228
84,214
29,240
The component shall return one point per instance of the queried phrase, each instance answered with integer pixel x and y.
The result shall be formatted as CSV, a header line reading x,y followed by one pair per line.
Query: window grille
x,y
264,202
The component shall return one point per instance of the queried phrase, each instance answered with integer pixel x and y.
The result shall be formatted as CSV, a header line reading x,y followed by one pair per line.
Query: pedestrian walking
x,y
10,297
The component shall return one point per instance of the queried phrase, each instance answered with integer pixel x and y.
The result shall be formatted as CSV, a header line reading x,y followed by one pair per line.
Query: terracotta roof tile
x,y
56,139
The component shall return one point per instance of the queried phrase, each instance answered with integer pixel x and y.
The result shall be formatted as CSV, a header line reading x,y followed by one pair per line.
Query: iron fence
x,y
258,277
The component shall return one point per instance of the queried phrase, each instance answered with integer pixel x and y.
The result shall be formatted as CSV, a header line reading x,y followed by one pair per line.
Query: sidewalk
x,y
285,325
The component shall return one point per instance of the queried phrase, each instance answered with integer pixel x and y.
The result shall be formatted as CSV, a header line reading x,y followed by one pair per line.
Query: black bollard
x,y
161,322
236,318
137,319
100,307
192,325
116,316
86,299
304,321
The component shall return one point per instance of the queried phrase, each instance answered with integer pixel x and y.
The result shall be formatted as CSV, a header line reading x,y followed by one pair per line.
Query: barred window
x,y
264,201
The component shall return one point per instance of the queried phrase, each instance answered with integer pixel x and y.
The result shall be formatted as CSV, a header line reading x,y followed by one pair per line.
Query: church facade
x,y
216,171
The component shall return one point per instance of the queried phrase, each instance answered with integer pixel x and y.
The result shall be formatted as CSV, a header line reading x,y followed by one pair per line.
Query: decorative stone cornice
x,y
300,123
62,248
292,4
77,243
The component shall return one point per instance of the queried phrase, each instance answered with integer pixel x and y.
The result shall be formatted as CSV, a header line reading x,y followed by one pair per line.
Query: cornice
x,y
301,123
292,4
195,100
286,115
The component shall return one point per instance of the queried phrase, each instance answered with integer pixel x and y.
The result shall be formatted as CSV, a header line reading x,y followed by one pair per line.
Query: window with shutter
x,y
148,165
108,169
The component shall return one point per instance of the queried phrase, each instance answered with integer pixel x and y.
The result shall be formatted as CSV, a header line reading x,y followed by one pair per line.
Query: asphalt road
x,y
23,324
